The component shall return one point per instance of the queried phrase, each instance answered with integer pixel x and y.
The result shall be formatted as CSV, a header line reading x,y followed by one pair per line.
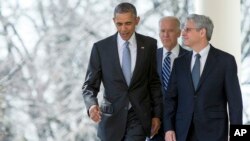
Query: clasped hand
x,y
95,113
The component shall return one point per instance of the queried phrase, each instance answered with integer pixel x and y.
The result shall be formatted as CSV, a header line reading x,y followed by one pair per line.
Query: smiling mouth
x,y
124,34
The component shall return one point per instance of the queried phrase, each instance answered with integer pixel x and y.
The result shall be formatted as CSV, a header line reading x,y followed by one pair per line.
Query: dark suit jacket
x,y
160,136
144,91
159,61
207,106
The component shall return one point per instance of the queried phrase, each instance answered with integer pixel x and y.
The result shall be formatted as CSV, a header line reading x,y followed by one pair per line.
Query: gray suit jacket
x,y
144,91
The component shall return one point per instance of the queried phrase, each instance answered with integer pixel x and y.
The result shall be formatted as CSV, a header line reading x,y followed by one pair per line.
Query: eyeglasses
x,y
188,29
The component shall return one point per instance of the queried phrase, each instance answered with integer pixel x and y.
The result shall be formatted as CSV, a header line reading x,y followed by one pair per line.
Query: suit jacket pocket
x,y
107,108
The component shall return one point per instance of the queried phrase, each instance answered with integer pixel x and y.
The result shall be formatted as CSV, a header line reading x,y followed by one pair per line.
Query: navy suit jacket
x,y
159,61
144,91
207,106
161,134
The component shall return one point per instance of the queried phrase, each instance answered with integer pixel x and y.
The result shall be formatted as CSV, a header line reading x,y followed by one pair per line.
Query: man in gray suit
x,y
126,65
169,32
204,94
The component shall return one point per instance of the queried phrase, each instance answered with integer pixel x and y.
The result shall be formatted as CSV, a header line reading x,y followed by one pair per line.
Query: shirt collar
x,y
203,52
121,42
174,51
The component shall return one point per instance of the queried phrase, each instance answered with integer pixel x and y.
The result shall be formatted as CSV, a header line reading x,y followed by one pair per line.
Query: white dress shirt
x,y
132,48
174,54
203,53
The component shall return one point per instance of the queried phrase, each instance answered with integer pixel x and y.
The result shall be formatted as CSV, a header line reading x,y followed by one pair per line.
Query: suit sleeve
x,y
92,82
155,85
233,92
170,102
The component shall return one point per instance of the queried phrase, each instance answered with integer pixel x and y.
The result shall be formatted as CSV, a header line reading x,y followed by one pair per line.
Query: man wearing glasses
x,y
202,83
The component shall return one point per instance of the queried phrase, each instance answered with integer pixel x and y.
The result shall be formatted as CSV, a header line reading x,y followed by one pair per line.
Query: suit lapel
x,y
209,65
159,62
188,58
139,57
113,49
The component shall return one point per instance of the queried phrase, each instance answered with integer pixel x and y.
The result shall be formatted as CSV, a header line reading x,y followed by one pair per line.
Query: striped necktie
x,y
166,70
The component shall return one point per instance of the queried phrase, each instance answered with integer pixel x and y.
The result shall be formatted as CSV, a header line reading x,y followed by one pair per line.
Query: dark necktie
x,y
166,70
196,71
126,63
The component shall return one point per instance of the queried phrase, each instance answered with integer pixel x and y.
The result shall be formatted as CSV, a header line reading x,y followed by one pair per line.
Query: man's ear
x,y
203,32
137,20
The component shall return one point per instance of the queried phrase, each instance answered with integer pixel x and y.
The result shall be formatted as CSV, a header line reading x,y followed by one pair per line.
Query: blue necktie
x,y
166,70
196,71
126,63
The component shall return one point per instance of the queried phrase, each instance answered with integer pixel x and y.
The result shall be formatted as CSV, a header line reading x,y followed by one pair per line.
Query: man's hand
x,y
170,136
95,113
156,123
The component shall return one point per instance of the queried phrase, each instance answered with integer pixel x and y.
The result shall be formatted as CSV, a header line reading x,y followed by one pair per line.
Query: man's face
x,y
191,35
125,24
169,33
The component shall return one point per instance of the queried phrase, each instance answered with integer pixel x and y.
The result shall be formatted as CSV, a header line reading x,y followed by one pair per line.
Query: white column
x,y
225,15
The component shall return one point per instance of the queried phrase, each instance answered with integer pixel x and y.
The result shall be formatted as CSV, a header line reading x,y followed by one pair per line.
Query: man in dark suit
x,y
169,32
202,84
126,65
